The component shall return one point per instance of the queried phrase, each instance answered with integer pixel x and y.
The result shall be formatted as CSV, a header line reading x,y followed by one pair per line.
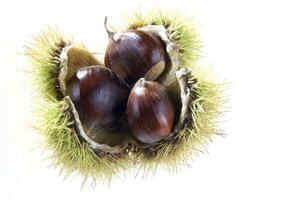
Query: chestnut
x,y
150,111
99,96
134,54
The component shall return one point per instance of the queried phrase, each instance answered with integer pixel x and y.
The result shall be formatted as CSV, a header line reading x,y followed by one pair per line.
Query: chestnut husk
x,y
184,89
133,54
150,112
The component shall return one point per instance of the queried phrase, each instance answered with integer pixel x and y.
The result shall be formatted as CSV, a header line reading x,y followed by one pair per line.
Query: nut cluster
x,y
145,104
124,94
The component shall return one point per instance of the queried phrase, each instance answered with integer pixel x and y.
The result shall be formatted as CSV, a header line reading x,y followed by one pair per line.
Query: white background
x,y
255,45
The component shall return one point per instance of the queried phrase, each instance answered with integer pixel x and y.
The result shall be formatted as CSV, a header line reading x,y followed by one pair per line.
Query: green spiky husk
x,y
53,119
181,29
73,156
44,52
68,153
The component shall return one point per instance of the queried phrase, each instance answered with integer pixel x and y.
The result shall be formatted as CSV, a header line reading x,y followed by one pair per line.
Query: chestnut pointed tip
x,y
110,33
141,82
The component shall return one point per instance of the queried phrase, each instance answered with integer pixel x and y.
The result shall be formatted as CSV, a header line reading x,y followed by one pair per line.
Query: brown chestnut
x,y
99,96
134,54
150,111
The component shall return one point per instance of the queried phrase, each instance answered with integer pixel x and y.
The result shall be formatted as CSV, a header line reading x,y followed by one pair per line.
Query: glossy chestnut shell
x,y
150,111
133,53
99,96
